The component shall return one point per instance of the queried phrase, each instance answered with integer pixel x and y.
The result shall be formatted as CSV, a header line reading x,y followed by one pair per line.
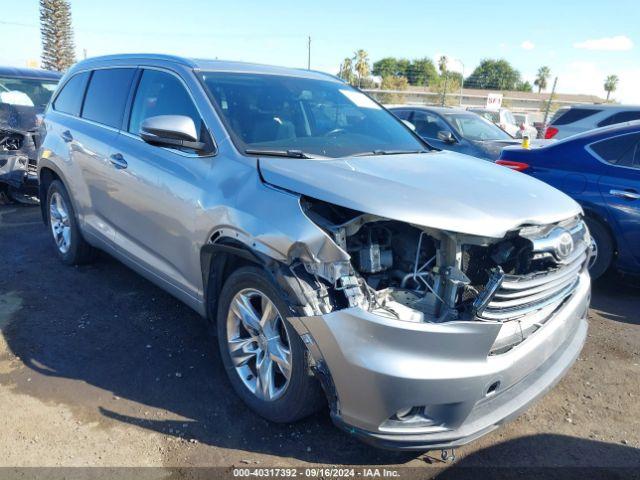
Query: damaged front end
x,y
420,274
424,324
18,155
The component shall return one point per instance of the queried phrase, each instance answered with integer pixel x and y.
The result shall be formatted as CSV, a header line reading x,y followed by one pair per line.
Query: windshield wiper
x,y
279,153
387,152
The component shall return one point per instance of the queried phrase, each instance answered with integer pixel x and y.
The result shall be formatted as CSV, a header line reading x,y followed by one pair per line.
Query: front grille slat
x,y
525,302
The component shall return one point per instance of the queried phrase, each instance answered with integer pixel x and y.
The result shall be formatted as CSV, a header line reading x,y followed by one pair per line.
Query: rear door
x,y
101,114
620,185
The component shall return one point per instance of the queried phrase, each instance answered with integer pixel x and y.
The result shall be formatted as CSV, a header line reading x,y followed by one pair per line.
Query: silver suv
x,y
425,296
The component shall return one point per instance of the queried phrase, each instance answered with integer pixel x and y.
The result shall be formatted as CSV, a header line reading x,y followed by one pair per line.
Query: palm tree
x,y
610,84
346,70
361,59
541,78
442,64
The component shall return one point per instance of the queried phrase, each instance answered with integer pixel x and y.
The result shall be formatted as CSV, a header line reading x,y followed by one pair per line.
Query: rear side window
x,y
161,93
620,151
574,115
107,96
69,100
620,117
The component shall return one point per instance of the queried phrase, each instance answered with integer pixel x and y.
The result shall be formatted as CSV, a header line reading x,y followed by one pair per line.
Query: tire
x,y
604,248
66,237
300,395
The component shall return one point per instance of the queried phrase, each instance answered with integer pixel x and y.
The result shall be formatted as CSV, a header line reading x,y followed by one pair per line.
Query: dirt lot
x,y
98,367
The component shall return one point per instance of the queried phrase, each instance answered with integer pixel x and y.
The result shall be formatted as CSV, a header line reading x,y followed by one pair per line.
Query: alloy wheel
x,y
60,222
259,344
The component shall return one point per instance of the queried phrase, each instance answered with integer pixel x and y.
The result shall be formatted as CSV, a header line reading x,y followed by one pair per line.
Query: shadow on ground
x,y
107,327
615,297
550,457
155,366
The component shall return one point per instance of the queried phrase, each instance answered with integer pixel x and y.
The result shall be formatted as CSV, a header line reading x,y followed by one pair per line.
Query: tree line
x,y
490,74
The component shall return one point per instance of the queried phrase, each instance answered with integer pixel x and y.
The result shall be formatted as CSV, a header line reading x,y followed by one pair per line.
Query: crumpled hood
x,y
443,190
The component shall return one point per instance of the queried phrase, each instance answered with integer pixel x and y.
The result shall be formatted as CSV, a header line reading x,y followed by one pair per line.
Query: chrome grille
x,y
524,302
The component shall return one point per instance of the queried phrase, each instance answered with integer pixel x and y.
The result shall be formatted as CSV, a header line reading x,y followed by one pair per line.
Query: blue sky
x,y
582,41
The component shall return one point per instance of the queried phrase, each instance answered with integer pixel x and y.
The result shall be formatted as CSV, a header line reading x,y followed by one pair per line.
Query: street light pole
x,y
309,54
461,82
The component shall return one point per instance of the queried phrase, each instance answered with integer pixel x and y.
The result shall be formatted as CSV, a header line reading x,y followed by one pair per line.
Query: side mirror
x,y
409,124
171,131
446,136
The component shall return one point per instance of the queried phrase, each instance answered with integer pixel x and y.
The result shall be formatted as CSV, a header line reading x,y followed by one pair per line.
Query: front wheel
x,y
263,355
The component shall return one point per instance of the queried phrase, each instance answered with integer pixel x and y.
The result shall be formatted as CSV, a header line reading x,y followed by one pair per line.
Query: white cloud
x,y
610,44
527,45
588,78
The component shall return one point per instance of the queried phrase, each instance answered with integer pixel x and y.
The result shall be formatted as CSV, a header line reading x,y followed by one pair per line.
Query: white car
x,y
568,121
525,127
501,117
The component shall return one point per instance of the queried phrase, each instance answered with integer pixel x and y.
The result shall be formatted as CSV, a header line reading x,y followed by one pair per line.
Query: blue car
x,y
600,169
457,130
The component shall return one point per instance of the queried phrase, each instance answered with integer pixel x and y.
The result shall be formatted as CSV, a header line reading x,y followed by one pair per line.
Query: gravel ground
x,y
98,367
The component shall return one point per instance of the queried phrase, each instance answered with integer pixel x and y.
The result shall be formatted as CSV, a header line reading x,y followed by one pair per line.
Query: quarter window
x,y
619,151
160,93
69,100
107,96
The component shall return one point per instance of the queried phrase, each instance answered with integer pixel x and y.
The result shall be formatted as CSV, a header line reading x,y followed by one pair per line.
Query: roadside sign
x,y
494,101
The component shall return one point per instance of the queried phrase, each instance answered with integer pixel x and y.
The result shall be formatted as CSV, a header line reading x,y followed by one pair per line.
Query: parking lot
x,y
99,367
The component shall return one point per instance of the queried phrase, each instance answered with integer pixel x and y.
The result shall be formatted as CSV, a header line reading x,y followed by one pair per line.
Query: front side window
x,y
318,117
620,151
107,95
69,100
428,124
474,127
161,93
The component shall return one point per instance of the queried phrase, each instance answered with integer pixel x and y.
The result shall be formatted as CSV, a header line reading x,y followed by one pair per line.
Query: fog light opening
x,y
493,388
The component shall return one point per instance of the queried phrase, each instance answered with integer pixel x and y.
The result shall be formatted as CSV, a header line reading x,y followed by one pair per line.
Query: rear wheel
x,y
603,248
263,355
70,246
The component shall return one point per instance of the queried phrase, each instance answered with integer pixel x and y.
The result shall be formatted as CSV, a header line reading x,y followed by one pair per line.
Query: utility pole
x,y
553,91
309,54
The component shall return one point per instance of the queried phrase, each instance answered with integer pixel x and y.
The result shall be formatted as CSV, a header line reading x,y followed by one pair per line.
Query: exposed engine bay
x,y
424,275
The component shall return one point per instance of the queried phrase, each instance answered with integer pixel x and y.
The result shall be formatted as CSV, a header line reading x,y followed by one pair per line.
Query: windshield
x,y
474,127
26,92
317,117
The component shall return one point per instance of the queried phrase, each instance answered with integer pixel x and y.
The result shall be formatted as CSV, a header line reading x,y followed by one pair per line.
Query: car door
x,y
102,113
156,194
620,185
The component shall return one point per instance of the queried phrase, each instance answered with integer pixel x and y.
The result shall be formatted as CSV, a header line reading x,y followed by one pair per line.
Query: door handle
x,y
66,136
626,194
118,161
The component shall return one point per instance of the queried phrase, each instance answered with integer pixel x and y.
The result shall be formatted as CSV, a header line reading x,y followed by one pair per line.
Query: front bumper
x,y
380,365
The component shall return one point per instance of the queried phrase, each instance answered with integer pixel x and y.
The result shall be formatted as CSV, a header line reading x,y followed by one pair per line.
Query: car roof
x,y
441,110
605,106
603,132
202,64
29,73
